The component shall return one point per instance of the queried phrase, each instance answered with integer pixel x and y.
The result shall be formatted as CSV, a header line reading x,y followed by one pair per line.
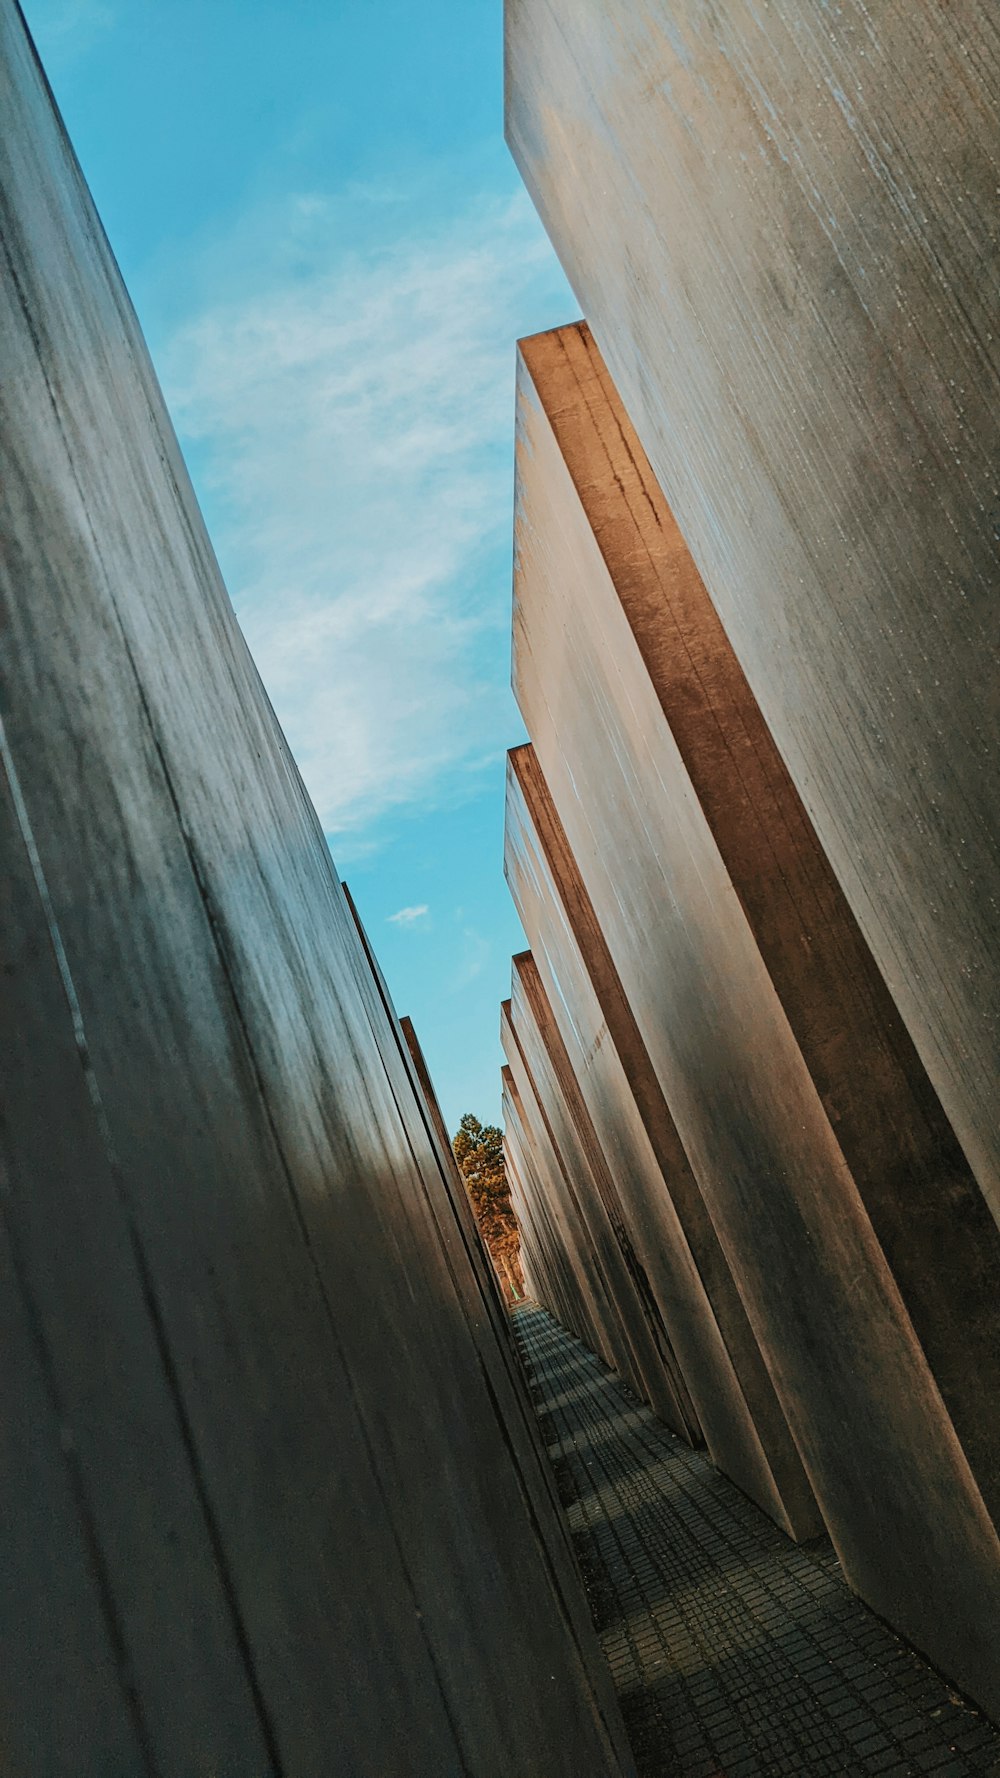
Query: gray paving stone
x,y
736,1653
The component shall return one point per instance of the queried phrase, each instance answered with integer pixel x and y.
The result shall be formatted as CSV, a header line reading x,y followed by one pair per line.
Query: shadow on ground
x,y
736,1653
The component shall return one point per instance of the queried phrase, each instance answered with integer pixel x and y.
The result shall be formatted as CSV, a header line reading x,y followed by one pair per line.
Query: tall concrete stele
x,y
781,226
753,839
272,1495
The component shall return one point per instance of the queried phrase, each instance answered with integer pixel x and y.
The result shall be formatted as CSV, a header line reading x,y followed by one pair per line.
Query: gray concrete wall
x,y
547,1256
525,1195
263,1512
728,1034
535,1290
575,1256
919,1192
781,225
744,1427
654,1370
483,1294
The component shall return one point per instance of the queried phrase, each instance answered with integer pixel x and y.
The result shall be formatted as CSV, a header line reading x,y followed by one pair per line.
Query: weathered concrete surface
x,y
781,224
263,1509
745,1429
714,991
632,1302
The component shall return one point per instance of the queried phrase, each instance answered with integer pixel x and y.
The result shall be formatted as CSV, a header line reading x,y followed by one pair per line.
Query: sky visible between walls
x,y
331,256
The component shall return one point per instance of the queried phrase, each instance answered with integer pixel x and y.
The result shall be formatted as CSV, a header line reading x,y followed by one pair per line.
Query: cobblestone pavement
x,y
736,1653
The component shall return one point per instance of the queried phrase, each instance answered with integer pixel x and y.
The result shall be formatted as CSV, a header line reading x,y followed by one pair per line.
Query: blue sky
x,y
331,255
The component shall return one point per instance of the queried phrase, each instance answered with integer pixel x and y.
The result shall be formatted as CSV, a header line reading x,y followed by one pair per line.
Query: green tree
x,y
478,1149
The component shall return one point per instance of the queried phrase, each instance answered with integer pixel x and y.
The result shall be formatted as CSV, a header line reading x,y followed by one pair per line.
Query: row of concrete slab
x,y
273,1500
735,1179
272,1495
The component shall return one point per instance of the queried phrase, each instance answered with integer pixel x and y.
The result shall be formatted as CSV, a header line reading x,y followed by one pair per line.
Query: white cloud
x,y
408,916
351,422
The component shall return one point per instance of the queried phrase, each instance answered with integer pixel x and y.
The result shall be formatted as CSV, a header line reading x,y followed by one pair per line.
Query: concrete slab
x,y
744,1427
263,1506
638,1317
573,1260
780,223
767,1035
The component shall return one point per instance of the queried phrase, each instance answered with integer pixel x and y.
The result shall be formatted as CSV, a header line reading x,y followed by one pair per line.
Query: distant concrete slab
x,y
744,1427
654,1369
565,1235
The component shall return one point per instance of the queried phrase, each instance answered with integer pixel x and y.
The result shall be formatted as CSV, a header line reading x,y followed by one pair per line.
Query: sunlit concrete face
x,y
634,743
744,1427
270,1502
782,232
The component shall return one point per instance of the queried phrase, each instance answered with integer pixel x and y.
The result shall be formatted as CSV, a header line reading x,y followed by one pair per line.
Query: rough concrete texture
x,y
265,1511
745,1429
701,967
781,224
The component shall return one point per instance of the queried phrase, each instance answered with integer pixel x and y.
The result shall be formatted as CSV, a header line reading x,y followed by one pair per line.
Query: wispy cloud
x,y
351,425
474,954
409,916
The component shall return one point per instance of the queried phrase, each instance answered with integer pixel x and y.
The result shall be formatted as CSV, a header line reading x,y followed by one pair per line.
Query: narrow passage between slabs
x,y
736,1653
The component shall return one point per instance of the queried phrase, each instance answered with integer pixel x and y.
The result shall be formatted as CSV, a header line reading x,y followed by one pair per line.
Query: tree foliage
x,y
478,1149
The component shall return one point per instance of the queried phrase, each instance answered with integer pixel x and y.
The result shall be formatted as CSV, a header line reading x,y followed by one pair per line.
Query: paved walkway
x,y
736,1653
